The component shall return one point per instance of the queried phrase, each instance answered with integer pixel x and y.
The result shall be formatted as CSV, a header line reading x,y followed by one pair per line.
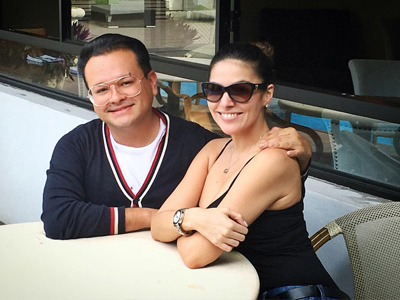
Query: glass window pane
x,y
41,66
174,28
353,144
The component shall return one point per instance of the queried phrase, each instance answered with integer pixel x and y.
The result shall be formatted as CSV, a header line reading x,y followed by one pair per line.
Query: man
x,y
110,175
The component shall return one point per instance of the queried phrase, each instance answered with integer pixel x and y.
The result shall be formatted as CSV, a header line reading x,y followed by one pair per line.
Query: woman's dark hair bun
x,y
265,47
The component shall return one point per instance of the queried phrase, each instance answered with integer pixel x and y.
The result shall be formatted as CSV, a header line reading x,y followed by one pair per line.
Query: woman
x,y
235,195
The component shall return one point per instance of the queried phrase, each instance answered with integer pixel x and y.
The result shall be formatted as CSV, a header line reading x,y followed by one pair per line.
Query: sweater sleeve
x,y
67,213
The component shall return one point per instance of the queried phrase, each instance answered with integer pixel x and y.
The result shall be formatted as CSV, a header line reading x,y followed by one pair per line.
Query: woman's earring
x,y
266,106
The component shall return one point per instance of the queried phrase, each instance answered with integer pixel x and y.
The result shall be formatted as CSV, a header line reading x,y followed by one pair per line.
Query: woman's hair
x,y
108,43
258,55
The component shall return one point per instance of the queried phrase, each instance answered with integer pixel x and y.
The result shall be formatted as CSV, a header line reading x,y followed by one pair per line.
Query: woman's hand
x,y
292,141
223,227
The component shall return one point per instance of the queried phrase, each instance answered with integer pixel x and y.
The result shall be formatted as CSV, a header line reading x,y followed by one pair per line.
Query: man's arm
x,y
68,199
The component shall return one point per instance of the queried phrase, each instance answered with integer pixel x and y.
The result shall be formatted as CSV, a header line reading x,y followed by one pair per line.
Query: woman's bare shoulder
x,y
213,148
273,157
217,144
274,154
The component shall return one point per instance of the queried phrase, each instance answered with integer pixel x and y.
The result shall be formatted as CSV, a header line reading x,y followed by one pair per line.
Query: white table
x,y
127,266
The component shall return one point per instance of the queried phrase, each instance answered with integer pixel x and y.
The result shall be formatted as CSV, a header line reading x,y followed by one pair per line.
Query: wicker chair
x,y
372,237
196,112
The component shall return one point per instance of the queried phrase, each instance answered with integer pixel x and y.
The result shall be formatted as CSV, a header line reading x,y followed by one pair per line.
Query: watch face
x,y
177,216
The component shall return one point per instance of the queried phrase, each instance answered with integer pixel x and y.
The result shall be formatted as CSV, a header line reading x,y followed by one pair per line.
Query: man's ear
x,y
152,78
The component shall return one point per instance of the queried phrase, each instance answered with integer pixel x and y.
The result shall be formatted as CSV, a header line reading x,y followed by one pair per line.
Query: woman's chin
x,y
227,130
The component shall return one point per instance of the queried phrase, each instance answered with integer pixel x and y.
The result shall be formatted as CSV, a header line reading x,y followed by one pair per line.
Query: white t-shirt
x,y
134,162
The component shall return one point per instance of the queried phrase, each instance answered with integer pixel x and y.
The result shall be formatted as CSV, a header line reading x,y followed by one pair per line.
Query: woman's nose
x,y
226,100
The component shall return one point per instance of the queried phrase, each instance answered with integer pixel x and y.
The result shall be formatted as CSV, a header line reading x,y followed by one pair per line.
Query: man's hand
x,y
292,141
223,227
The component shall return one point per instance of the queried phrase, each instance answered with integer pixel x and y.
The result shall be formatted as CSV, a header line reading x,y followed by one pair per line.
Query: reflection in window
x,y
174,28
357,145
39,66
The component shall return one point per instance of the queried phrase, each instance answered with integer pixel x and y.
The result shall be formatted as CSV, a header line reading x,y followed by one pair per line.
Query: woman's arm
x,y
224,228
270,181
186,194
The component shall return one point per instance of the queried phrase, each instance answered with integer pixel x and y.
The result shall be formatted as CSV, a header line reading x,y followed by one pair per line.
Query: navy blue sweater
x,y
85,193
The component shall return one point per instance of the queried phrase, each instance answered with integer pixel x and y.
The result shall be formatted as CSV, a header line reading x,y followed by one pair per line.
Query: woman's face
x,y
233,117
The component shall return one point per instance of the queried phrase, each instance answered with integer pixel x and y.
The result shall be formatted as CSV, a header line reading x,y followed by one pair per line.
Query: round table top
x,y
126,266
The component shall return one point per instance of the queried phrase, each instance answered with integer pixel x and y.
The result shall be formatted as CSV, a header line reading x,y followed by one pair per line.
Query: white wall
x,y
30,127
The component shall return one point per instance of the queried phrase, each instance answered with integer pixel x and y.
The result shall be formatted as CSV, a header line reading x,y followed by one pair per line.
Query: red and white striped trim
x,y
114,220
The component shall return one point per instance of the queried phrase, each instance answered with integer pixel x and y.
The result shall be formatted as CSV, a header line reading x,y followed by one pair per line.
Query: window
x,y
355,138
352,125
175,28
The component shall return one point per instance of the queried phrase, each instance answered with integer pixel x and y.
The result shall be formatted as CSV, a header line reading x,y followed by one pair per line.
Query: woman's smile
x,y
229,116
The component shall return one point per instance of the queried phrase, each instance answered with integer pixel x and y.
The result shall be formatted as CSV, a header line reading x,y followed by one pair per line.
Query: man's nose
x,y
115,95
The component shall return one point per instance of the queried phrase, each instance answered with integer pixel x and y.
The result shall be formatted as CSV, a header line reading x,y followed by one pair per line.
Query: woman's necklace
x,y
226,170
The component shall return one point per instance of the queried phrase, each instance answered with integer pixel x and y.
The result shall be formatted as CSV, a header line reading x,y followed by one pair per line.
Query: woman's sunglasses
x,y
239,92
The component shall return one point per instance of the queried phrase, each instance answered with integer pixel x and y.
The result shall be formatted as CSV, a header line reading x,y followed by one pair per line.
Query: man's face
x,y
121,111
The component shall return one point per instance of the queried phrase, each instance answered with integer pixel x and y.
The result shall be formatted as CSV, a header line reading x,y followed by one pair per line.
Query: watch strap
x,y
178,224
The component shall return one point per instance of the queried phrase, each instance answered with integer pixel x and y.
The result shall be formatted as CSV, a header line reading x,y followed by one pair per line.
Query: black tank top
x,y
278,246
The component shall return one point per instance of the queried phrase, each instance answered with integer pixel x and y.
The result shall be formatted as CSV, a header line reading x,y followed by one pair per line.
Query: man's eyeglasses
x,y
128,85
239,92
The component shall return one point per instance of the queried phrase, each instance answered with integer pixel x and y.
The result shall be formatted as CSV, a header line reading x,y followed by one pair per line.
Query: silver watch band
x,y
178,223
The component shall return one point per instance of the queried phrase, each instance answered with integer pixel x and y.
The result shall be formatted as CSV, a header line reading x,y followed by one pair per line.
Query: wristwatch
x,y
177,221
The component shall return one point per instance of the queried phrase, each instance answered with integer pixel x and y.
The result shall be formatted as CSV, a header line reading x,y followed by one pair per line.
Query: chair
x,y
172,102
372,240
373,77
196,112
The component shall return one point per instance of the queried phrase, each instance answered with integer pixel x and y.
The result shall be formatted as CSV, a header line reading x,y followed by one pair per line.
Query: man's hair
x,y
108,43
